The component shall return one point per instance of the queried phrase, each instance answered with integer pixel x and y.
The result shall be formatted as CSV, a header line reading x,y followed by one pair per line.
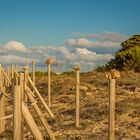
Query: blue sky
x,y
54,22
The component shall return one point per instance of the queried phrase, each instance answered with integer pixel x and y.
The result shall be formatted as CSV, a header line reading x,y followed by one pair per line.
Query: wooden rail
x,y
40,97
21,113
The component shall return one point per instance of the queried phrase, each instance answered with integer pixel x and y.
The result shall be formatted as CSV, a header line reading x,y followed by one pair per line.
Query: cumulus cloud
x,y
105,40
83,42
104,36
109,36
15,46
85,51
11,59
63,55
14,53
84,54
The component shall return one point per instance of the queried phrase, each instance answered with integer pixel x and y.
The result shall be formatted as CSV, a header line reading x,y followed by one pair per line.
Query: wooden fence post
x,y
25,80
17,113
49,85
6,80
49,62
111,109
0,77
21,82
12,72
2,109
77,69
3,78
33,71
16,76
2,102
8,74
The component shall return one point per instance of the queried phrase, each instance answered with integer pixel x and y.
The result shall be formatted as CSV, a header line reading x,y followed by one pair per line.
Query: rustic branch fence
x,y
21,94
24,90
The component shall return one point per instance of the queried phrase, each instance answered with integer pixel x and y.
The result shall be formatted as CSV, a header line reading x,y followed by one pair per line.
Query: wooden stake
x,y
21,81
31,123
40,97
6,80
12,72
8,74
40,115
112,109
2,102
25,79
2,110
33,71
77,68
49,61
49,85
3,77
17,113
0,76
16,76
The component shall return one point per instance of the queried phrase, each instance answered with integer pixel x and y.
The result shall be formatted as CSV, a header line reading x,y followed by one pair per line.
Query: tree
x,y
132,42
128,57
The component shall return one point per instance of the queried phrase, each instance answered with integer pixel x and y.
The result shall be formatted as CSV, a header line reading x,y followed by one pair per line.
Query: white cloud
x,y
11,59
85,51
63,55
15,46
83,42
86,55
104,36
109,36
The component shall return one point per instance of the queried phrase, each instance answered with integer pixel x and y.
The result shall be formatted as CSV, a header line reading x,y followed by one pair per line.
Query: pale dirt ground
x,y
93,107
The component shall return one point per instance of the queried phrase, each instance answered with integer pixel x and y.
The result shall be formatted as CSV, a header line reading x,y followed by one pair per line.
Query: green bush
x,y
127,58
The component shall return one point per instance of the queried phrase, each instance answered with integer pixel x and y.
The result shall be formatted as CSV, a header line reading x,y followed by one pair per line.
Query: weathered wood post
x,y
33,71
8,74
12,78
3,78
21,82
49,62
17,114
2,109
12,72
77,97
111,109
25,80
16,76
6,80
0,76
112,75
2,102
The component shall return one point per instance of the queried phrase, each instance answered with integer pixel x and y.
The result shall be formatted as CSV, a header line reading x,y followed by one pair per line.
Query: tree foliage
x,y
132,42
128,57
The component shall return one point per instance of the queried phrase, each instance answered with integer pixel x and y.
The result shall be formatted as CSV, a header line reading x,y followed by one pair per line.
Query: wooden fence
x,y
24,90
